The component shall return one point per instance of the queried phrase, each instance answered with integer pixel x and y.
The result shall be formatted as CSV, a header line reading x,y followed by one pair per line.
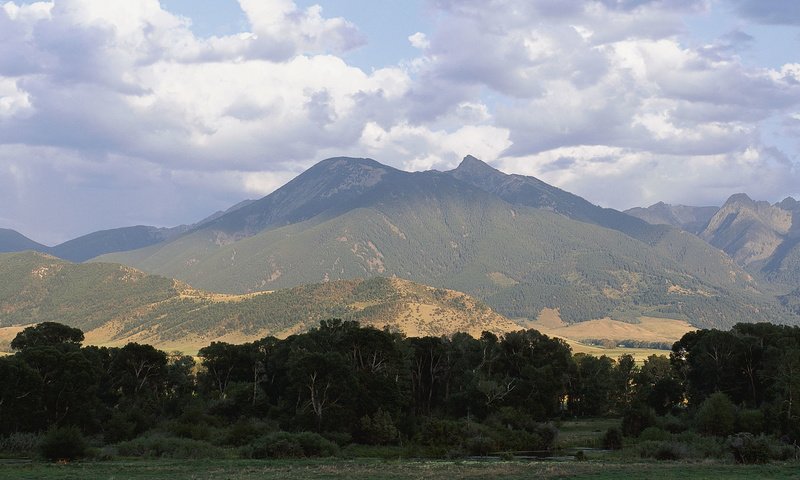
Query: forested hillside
x,y
351,218
115,304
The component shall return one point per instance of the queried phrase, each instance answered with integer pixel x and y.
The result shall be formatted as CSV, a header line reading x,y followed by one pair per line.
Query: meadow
x,y
391,469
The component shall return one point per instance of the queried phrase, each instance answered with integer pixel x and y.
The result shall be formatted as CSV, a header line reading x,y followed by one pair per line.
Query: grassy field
x,y
376,469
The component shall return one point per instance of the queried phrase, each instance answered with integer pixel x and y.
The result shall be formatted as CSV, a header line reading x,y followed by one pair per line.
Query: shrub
x,y
747,448
702,447
20,443
636,419
65,443
750,421
548,433
245,431
480,445
436,432
663,450
379,429
612,440
289,445
339,438
672,424
716,415
654,434
162,446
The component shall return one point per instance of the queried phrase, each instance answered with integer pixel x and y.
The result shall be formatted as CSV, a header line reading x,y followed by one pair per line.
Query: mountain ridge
x,y
115,304
347,218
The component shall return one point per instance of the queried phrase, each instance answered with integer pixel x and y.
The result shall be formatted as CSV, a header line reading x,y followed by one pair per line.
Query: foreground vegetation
x,y
342,390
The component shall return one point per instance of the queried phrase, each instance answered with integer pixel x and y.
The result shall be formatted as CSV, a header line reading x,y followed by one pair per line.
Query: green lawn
x,y
375,469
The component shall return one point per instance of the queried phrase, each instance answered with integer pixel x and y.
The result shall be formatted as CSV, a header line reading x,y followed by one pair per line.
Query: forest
x,y
720,394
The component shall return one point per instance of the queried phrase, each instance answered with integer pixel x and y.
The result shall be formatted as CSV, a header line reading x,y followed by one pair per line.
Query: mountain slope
x,y
532,192
358,218
692,219
763,237
12,241
109,241
117,304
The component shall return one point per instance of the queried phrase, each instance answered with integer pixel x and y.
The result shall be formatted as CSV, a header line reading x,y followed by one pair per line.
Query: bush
x,y
747,448
663,450
612,440
379,429
654,434
548,433
480,446
65,443
716,415
636,419
289,445
672,424
703,447
750,421
162,446
245,431
21,443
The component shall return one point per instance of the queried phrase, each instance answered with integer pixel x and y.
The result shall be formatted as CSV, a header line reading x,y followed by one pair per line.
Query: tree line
x,y
352,384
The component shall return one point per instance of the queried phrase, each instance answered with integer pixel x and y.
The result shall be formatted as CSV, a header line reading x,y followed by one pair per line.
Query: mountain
x,y
532,192
101,242
115,304
347,218
691,219
109,241
760,236
12,241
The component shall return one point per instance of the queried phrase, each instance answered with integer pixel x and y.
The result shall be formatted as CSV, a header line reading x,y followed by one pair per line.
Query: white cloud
x,y
105,95
419,40
282,30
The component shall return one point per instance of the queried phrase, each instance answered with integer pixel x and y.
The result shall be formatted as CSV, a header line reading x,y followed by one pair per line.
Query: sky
x,y
125,112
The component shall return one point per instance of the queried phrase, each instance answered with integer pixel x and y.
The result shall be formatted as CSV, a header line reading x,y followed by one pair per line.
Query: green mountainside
x,y
115,304
349,218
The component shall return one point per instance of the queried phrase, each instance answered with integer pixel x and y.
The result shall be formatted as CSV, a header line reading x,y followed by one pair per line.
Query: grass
x,y
584,433
377,469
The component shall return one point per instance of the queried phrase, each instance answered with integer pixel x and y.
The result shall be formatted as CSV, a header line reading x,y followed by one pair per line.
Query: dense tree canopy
x,y
376,386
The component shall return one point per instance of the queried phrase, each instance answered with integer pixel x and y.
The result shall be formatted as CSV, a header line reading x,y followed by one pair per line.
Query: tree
x,y
224,364
139,370
657,385
542,367
47,334
20,397
320,381
591,390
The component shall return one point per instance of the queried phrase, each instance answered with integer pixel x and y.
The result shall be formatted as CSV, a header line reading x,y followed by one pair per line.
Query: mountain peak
x,y
740,198
788,203
474,166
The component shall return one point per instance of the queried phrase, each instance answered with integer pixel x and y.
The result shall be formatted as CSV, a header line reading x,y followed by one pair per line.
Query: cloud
x,y
623,178
419,40
282,30
121,102
769,12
